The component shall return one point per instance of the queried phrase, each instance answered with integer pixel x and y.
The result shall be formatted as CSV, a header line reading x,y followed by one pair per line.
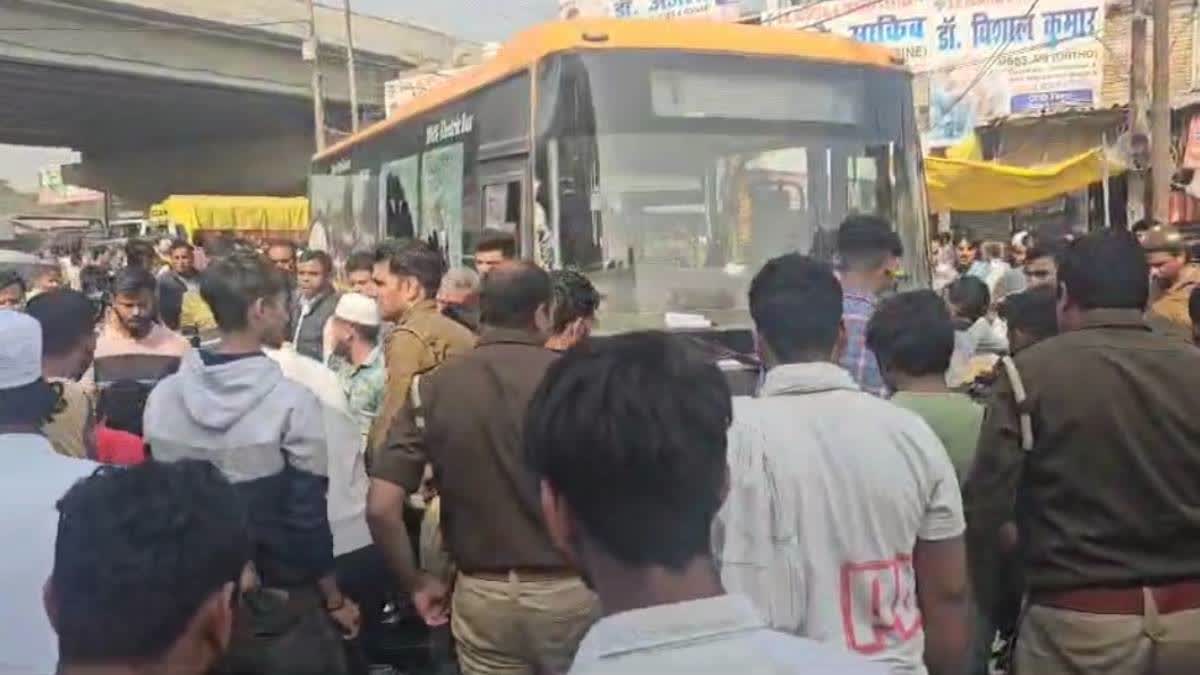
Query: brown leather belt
x,y
1177,597
524,574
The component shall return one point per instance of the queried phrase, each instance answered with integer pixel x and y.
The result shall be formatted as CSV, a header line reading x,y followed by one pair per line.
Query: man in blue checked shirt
x,y
869,254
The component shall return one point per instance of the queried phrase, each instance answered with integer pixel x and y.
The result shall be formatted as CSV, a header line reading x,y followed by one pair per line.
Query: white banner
x,y
984,58
716,10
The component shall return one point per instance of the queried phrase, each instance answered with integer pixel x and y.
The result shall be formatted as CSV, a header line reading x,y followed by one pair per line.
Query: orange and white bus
x,y
667,160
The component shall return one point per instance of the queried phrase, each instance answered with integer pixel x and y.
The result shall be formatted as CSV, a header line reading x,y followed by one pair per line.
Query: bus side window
x,y
501,207
498,204
397,210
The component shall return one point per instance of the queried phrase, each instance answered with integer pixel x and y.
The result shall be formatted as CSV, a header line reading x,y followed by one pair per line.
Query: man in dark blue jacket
x,y
232,407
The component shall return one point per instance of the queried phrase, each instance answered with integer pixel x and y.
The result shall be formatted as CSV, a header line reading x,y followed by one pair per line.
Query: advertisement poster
x,y
716,10
983,58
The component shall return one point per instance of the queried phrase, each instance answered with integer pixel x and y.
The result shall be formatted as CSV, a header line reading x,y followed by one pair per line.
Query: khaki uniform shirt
x,y
70,429
473,409
1110,494
420,342
1172,305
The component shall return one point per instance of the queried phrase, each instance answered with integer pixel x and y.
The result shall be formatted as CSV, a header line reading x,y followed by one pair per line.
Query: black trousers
x,y
364,577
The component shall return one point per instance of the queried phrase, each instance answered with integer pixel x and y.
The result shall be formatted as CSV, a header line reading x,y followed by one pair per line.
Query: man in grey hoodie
x,y
232,406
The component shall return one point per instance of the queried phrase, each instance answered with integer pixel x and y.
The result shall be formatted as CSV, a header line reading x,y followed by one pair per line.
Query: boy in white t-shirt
x,y
844,521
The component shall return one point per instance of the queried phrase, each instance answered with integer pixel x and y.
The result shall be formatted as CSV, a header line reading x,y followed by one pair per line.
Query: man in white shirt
x,y
844,521
628,438
361,571
347,496
34,478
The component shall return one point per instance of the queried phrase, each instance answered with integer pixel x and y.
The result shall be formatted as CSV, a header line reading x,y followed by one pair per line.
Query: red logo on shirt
x,y
879,604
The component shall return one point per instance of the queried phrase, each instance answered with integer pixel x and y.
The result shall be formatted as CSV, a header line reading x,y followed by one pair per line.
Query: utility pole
x,y
1139,103
1162,168
350,67
312,54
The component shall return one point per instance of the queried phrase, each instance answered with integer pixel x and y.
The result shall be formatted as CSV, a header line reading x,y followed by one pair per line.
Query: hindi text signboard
x,y
983,58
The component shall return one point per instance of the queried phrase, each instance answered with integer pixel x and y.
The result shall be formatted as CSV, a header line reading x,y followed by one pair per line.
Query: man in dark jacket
x,y
1107,500
518,604
176,282
231,406
318,300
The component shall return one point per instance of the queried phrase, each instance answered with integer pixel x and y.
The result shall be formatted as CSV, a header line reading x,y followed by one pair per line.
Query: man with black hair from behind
x,y
627,436
913,337
839,493
573,315
148,568
1111,403
68,322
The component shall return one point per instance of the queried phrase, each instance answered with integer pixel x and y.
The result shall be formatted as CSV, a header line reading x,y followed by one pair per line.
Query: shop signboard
x,y
983,58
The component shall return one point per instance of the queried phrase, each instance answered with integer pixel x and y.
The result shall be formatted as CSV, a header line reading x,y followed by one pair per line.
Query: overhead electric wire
x,y
853,10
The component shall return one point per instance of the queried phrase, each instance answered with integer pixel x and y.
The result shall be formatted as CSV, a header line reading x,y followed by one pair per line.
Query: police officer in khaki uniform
x,y
407,276
1173,276
519,607
1106,500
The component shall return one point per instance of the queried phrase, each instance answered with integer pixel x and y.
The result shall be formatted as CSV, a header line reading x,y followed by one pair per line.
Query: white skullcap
x,y
20,349
358,309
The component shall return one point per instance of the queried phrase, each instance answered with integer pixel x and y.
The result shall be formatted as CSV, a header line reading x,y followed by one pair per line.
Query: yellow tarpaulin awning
x,y
972,185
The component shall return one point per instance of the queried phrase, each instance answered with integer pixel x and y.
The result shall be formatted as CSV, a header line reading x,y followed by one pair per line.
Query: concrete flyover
x,y
170,96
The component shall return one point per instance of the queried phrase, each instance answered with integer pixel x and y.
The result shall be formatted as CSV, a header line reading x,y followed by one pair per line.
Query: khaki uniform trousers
x,y
1064,642
518,627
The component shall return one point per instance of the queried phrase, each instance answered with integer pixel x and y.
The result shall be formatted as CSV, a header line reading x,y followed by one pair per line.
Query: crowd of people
x,y
998,474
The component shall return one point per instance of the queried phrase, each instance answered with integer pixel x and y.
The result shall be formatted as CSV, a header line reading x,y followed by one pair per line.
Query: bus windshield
x,y
677,175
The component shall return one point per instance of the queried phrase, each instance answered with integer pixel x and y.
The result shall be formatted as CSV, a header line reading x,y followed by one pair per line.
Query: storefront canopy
x,y
972,185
